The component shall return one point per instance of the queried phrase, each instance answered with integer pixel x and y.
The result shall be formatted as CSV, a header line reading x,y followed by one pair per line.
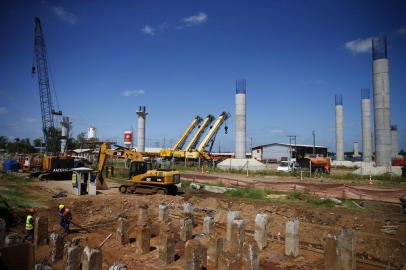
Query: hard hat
x,y
61,206
30,211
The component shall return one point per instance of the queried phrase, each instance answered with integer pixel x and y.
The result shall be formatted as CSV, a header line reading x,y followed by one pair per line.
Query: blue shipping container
x,y
10,166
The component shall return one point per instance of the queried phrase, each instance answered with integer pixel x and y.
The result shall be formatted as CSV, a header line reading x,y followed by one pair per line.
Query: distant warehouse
x,y
276,152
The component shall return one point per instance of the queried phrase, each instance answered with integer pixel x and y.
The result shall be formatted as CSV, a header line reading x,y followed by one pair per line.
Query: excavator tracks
x,y
148,189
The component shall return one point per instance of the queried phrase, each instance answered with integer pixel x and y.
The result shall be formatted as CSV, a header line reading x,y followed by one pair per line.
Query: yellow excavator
x,y
142,177
200,151
168,153
182,153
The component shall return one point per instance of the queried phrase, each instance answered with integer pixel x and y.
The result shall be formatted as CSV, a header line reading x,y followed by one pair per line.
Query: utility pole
x,y
314,143
292,138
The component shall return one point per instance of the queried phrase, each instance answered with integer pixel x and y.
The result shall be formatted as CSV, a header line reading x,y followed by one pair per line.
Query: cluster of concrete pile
x,y
239,249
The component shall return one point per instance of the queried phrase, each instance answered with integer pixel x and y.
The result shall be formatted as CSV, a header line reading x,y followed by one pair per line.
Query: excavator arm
x,y
105,152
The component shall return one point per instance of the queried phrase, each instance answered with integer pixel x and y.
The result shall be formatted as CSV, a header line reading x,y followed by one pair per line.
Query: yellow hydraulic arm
x,y
105,151
200,150
179,144
182,139
199,132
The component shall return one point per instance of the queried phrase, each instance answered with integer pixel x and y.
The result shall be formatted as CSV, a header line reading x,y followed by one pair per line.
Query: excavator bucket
x,y
101,184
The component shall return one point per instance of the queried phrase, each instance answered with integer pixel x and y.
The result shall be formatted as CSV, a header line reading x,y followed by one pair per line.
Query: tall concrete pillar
x,y
366,125
64,133
240,119
339,128
355,149
394,138
141,129
380,70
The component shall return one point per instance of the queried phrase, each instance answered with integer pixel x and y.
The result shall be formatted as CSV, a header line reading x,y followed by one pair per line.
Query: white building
x,y
275,152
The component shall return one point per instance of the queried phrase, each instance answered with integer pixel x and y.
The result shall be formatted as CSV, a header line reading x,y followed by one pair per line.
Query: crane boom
x,y
207,121
47,112
200,150
213,131
179,144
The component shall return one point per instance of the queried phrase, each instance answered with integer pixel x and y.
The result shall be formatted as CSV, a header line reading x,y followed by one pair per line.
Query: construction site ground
x,y
97,217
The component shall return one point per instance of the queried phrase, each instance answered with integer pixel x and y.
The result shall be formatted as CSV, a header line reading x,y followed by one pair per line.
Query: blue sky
x,y
181,59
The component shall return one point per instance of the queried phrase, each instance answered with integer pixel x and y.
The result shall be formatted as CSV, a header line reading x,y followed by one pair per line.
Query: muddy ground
x,y
98,215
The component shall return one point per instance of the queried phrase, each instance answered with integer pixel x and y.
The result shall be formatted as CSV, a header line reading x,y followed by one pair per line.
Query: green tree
x,y
3,142
37,142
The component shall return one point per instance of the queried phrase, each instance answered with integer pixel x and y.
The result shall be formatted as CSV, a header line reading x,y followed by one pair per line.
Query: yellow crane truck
x,y
142,177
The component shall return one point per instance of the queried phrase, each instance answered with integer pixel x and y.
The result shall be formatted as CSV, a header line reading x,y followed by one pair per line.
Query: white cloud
x,y
401,31
133,93
149,30
64,15
200,18
359,45
3,110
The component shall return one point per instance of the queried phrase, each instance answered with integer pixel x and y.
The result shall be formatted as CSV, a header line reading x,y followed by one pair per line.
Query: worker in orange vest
x,y
65,217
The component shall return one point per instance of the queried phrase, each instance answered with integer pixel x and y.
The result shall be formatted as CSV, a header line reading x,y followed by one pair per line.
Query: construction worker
x,y
29,225
66,217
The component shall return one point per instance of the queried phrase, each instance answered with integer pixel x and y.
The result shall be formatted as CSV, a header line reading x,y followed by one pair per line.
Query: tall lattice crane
x,y
47,112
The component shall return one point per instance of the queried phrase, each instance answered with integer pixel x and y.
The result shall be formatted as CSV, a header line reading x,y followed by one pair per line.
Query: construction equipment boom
x,y
141,174
209,138
167,153
47,111
181,153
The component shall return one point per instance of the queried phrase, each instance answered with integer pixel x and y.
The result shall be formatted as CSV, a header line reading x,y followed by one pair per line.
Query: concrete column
x,y
2,231
92,259
261,230
141,129
189,211
331,256
394,137
186,229
208,225
65,133
122,231
380,70
73,259
231,215
166,249
163,214
240,119
366,125
346,244
339,129
142,213
237,236
355,149
250,255
292,238
41,230
194,255
215,248
142,244
56,247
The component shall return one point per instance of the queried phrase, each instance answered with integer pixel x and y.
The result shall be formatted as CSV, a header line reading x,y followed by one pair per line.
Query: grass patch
x,y
185,184
250,193
18,179
295,197
18,198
